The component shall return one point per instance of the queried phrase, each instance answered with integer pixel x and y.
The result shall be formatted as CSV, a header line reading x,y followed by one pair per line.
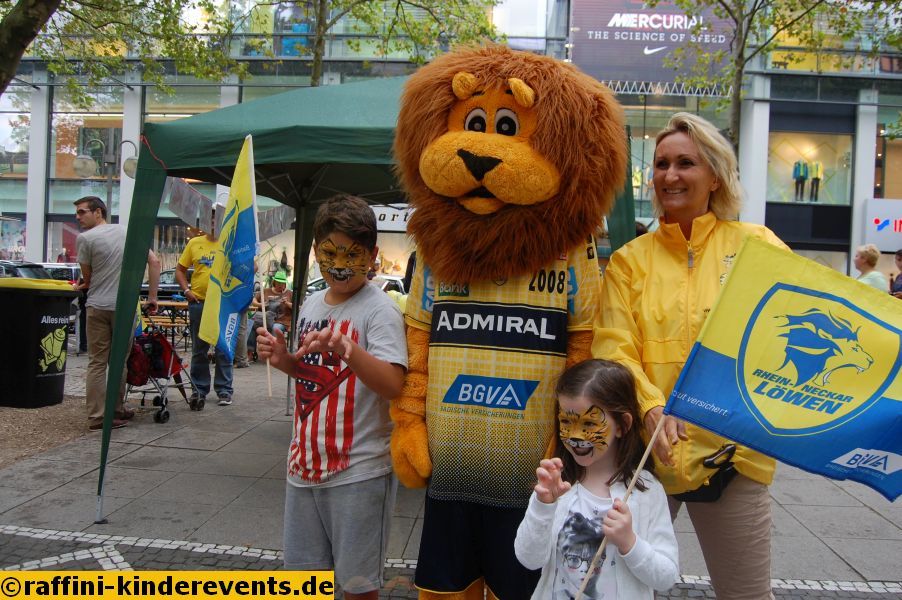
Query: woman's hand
x,y
550,486
671,433
617,526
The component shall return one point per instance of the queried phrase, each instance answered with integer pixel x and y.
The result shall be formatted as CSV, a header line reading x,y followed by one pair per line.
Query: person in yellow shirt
x,y
656,295
199,253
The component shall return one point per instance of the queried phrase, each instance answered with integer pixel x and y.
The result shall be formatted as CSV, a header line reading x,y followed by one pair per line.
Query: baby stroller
x,y
152,365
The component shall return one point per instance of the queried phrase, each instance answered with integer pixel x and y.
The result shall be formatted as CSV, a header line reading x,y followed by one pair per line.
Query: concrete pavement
x,y
205,491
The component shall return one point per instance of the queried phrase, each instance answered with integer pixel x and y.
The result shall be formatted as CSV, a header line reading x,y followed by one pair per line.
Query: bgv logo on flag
x,y
804,366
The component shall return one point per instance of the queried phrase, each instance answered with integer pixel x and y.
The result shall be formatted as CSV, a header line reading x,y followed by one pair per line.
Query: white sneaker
x,y
225,401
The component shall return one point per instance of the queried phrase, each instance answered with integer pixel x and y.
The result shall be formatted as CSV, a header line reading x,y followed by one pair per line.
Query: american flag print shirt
x,y
341,427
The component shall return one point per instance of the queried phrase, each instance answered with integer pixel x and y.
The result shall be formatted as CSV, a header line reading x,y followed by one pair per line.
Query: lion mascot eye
x,y
475,121
506,122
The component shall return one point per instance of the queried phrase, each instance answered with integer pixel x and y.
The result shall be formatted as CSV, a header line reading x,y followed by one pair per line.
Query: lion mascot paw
x,y
511,160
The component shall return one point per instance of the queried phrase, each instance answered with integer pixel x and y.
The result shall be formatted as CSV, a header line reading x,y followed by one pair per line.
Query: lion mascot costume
x,y
510,160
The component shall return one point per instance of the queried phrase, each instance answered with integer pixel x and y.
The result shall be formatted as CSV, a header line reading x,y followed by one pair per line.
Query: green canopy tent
x,y
309,144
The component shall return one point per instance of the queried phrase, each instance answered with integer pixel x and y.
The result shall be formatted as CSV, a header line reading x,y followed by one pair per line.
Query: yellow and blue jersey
x,y
496,349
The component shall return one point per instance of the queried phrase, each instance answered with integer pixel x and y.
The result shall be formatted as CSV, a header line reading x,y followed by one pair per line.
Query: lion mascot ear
x,y
509,158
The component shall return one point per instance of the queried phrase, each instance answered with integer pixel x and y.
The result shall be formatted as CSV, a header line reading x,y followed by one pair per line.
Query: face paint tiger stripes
x,y
583,432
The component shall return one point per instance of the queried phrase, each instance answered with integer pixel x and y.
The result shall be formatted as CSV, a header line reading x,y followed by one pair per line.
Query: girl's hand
x,y
271,347
671,433
617,526
550,486
326,340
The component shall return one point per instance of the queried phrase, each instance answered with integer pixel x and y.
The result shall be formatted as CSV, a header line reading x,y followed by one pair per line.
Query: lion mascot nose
x,y
477,165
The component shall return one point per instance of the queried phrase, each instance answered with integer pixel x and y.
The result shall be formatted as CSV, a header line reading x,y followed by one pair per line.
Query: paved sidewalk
x,y
205,491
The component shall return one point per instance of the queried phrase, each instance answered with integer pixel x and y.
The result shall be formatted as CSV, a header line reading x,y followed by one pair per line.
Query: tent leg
x,y
303,240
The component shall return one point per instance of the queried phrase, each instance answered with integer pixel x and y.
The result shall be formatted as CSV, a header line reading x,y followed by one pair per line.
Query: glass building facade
x,y
831,108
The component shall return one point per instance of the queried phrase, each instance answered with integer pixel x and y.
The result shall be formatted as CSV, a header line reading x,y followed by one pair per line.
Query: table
x,y
172,317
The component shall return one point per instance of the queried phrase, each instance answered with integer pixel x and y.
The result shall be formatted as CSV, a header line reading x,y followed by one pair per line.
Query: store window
x,y
184,100
169,239
15,121
888,165
61,240
12,239
93,132
646,116
809,167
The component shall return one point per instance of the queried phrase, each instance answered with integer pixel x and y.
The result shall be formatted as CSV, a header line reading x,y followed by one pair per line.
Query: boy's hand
x,y
550,486
617,526
271,347
326,340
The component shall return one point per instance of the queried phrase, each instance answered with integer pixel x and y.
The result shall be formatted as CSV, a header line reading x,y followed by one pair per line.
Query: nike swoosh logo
x,y
646,51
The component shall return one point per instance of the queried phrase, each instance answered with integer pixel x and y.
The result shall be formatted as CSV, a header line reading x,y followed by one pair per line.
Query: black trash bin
x,y
34,332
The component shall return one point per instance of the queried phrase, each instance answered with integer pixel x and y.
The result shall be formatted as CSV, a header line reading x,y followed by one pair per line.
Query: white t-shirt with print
x,y
577,542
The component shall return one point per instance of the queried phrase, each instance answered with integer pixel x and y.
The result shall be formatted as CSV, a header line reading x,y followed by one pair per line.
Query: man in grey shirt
x,y
100,249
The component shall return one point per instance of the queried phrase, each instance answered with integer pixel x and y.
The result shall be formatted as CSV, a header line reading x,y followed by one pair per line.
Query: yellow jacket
x,y
656,294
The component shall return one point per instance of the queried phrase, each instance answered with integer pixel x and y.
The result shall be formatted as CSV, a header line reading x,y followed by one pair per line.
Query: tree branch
x,y
782,29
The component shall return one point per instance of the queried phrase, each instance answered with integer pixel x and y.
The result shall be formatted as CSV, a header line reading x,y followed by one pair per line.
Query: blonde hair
x,y
870,253
718,154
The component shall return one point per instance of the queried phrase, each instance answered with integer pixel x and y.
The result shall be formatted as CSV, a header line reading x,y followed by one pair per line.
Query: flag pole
x,y
263,312
629,490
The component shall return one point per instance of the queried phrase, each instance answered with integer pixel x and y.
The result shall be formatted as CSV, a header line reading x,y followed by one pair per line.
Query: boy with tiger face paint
x,y
351,360
344,264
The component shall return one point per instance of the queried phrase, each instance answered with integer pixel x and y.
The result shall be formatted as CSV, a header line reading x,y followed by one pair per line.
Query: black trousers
x,y
815,188
800,189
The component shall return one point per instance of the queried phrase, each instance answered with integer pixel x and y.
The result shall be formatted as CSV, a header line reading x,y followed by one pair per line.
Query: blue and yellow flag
x,y
231,286
801,363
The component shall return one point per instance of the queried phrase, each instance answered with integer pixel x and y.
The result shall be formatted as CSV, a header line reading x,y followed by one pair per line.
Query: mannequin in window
x,y
817,172
637,182
800,174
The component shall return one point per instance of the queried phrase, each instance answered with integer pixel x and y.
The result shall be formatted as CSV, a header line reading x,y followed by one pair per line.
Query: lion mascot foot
x,y
477,591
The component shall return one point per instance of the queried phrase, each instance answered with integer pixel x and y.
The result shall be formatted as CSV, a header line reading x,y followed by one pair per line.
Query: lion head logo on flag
x,y
819,343
807,360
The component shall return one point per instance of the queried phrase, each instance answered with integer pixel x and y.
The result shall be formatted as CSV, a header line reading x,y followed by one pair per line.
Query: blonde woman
x,y
657,292
865,261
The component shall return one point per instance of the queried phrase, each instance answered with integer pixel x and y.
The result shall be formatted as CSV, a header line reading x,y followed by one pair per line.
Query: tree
x,y
417,28
759,27
94,40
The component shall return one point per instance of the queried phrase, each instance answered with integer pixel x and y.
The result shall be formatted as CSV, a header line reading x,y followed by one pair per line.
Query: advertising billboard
x,y
883,225
624,40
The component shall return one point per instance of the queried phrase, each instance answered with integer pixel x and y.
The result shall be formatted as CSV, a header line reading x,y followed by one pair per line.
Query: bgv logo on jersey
x,y
490,392
806,361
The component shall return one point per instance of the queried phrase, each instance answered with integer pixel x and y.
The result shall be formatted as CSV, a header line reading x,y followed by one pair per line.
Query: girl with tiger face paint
x,y
597,408
598,449
585,430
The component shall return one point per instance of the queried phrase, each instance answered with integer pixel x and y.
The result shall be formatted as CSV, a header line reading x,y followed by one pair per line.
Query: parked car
x,y
169,287
70,272
390,283
21,268
387,283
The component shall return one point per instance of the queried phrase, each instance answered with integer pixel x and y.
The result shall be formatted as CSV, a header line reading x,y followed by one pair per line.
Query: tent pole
x,y
303,240
150,185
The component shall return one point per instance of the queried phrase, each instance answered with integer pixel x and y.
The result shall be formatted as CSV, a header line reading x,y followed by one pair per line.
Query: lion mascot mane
x,y
510,160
